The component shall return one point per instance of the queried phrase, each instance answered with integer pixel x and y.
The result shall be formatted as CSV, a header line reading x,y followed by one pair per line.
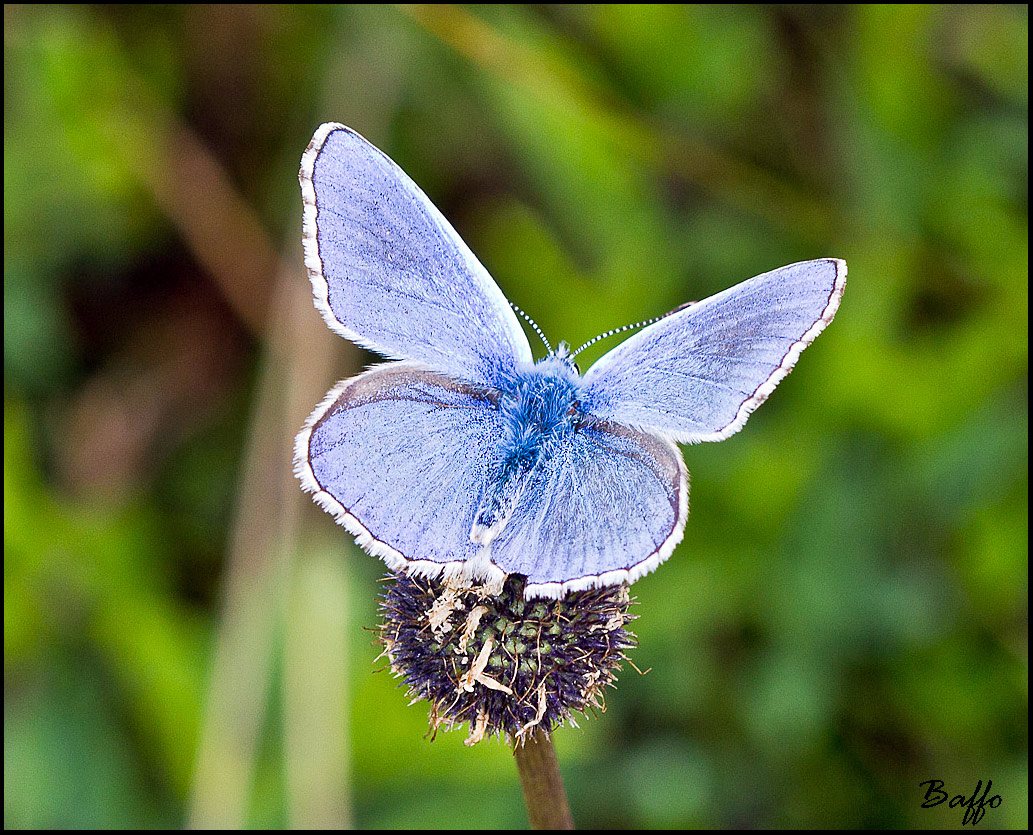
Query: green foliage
x,y
846,616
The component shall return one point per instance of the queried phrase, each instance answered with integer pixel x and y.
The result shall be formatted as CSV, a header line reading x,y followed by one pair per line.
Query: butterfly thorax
x,y
541,410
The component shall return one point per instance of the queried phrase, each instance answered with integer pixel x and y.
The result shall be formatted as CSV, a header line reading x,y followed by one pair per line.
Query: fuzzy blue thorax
x,y
541,409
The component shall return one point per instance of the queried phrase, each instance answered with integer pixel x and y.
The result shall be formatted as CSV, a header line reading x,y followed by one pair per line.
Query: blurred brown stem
x,y
544,795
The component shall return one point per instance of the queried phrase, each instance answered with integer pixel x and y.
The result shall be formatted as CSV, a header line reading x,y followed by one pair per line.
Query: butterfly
x,y
466,458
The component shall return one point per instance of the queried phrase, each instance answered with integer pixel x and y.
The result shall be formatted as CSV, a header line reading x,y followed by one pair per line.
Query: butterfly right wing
x,y
698,373
400,456
390,273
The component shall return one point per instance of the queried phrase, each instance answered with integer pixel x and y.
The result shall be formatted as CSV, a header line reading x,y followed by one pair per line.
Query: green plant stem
x,y
544,795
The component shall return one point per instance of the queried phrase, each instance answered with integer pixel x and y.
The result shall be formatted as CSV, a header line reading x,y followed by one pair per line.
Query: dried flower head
x,y
501,663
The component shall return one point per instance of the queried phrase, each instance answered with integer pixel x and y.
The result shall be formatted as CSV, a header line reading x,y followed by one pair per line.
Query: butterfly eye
x,y
575,409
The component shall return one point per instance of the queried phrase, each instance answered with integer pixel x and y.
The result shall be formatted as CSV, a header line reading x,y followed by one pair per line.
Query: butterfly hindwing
x,y
400,456
697,374
605,508
390,273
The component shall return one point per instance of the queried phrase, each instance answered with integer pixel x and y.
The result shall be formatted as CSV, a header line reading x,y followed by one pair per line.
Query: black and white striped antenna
x,y
534,325
624,328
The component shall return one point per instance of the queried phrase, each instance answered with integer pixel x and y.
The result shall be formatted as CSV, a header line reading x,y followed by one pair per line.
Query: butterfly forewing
x,y
390,273
697,374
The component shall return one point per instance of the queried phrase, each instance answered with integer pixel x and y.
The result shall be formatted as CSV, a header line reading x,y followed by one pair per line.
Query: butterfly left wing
x,y
400,456
390,273
697,374
608,507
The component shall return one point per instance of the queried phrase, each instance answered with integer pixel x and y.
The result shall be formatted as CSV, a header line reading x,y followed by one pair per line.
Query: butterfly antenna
x,y
624,328
534,325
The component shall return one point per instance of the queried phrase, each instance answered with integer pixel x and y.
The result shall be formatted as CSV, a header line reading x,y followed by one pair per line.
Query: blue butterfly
x,y
465,457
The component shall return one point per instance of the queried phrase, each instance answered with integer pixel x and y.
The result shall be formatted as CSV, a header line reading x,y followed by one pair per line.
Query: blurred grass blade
x,y
261,560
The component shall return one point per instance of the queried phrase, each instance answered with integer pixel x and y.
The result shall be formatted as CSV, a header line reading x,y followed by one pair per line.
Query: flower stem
x,y
540,779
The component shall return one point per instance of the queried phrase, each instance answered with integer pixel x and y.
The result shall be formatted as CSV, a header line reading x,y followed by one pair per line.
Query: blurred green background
x,y
187,641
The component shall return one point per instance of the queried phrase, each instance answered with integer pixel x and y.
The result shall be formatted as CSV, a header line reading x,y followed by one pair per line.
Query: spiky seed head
x,y
497,662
